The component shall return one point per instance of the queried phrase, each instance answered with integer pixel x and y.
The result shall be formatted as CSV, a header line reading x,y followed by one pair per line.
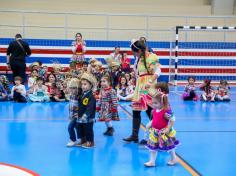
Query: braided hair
x,y
137,46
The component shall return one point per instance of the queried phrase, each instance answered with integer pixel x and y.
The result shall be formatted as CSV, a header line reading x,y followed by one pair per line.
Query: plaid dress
x,y
107,105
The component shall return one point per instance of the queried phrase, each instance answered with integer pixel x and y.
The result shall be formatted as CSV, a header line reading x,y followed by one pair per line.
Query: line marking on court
x,y
184,163
211,131
37,119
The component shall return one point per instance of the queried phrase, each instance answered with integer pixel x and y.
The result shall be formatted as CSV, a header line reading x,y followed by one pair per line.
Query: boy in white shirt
x,y
18,92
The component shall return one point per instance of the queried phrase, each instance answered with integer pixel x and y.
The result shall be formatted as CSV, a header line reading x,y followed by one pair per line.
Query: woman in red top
x,y
78,49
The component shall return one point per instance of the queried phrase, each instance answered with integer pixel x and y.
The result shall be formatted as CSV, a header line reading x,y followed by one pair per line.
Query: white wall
x,y
52,26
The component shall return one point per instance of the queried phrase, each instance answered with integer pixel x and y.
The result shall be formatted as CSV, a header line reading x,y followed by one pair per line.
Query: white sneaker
x,y
71,144
149,164
172,162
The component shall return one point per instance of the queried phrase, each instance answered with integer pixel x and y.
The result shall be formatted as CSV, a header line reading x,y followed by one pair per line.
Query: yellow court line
x,y
181,161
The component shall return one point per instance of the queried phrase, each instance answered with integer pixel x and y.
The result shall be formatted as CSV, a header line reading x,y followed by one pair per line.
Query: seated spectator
x,y
84,66
222,92
5,84
66,89
57,72
73,69
34,66
51,79
115,73
128,77
18,92
40,93
56,93
189,90
91,65
3,93
208,92
43,71
123,90
32,79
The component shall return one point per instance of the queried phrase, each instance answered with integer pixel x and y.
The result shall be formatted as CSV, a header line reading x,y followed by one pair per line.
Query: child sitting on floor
x,y
222,92
3,93
189,91
208,91
40,93
18,92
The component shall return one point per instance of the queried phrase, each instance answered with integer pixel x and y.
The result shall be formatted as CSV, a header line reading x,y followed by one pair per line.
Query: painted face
x,y
85,85
104,83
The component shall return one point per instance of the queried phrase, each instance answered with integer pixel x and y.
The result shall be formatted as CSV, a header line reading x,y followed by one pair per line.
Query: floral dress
x,y
140,101
157,139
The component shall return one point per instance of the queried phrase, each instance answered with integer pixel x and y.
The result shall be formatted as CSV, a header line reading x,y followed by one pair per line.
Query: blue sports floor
x,y
34,135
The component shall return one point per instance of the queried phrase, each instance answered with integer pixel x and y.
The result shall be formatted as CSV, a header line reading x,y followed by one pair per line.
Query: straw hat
x,y
90,78
74,82
92,60
115,64
98,63
109,60
34,64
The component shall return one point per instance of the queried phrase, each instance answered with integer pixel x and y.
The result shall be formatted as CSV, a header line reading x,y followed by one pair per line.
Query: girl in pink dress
x,y
162,133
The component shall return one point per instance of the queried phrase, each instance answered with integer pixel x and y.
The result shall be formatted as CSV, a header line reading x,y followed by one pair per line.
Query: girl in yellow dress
x,y
147,71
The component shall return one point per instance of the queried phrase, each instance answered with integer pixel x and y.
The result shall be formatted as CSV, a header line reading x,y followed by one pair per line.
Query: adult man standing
x,y
16,54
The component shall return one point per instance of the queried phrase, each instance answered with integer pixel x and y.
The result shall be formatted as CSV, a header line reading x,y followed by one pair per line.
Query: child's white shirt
x,y
19,87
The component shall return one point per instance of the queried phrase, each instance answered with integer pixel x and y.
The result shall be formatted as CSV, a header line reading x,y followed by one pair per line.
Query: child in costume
x,y
107,105
87,111
40,93
208,91
78,49
32,79
124,92
189,90
162,133
56,92
222,92
75,91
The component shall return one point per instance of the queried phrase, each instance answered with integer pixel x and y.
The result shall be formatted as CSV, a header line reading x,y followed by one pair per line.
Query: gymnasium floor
x,y
34,135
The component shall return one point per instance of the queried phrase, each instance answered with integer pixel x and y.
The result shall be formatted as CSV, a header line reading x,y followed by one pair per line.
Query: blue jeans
x,y
71,129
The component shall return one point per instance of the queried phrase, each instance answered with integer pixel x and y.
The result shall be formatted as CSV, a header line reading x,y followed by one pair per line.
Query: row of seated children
x,y
209,93
44,86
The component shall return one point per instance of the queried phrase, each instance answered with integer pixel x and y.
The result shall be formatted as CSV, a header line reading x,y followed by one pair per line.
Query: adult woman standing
x,y
147,71
78,49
